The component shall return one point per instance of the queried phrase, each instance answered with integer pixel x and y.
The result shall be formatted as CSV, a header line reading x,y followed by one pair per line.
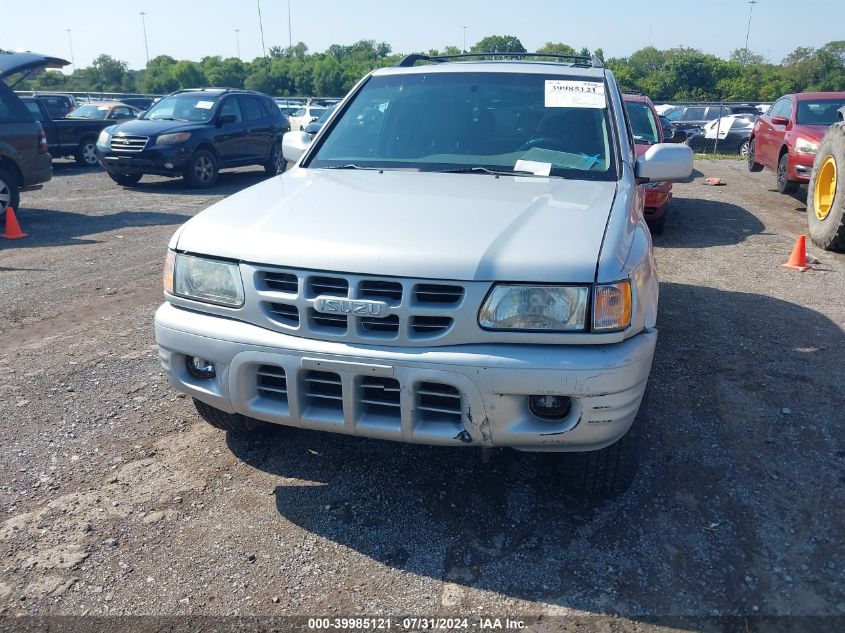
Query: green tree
x,y
498,44
157,77
107,74
559,48
188,74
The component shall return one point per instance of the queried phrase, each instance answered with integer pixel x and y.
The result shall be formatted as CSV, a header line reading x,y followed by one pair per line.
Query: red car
x,y
787,138
647,130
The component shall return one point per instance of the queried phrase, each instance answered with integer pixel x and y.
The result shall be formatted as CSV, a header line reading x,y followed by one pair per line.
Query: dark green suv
x,y
25,162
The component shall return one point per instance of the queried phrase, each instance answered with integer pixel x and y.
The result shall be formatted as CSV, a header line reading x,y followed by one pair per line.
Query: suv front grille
x,y
414,312
323,389
272,383
128,143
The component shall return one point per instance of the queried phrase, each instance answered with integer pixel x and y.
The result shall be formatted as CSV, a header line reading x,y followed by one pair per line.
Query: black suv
x,y
194,134
24,159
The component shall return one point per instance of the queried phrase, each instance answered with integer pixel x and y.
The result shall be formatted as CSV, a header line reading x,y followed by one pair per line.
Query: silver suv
x,y
458,258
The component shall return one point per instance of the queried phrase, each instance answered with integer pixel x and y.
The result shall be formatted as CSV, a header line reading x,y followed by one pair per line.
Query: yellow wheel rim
x,y
825,190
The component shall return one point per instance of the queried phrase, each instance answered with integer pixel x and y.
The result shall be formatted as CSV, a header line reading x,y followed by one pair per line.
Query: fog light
x,y
168,165
550,407
200,367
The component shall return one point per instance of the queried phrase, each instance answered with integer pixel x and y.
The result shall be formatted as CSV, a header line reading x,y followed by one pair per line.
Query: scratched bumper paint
x,y
606,383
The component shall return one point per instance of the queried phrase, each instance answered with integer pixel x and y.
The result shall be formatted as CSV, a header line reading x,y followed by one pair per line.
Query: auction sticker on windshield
x,y
205,105
565,93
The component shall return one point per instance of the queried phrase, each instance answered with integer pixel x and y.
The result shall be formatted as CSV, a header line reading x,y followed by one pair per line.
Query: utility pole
x,y
290,32
464,49
144,26
70,41
261,27
748,30
238,42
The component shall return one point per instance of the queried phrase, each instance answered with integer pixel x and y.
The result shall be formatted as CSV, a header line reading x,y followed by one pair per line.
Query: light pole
x,y
261,27
290,32
464,49
70,41
238,42
144,26
748,30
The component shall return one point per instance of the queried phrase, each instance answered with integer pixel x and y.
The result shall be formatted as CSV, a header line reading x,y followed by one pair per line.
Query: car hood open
x,y
11,63
410,224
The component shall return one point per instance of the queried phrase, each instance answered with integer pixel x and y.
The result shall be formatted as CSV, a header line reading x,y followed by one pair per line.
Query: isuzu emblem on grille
x,y
358,307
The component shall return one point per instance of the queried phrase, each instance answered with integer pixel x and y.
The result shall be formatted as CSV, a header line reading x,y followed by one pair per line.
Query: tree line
x,y
675,74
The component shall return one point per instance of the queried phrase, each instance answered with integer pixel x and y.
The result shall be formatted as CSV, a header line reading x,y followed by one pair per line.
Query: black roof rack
x,y
576,60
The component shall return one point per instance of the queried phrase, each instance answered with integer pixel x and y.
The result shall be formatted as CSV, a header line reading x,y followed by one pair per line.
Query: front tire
x,y
231,422
750,157
826,192
604,473
657,226
202,170
785,185
276,164
86,153
125,180
10,195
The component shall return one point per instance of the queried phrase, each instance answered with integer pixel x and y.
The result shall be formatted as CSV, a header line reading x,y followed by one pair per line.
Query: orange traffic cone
x,y
13,229
798,261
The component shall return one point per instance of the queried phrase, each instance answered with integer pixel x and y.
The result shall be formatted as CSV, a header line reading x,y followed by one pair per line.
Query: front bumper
x,y
800,166
605,382
164,161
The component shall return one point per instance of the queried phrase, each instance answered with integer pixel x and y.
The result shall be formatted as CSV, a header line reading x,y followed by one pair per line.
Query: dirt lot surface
x,y
116,499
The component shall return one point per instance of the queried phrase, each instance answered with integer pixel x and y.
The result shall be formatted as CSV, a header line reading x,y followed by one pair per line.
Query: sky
x,y
193,29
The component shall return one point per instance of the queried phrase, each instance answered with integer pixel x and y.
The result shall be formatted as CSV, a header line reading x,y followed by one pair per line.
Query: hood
x,y
145,127
409,224
11,63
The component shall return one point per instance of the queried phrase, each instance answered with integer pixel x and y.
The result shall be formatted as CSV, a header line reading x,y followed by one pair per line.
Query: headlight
x,y
612,307
103,139
551,308
207,280
170,139
806,146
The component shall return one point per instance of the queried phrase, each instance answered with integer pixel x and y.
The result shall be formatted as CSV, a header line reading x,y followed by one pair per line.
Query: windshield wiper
x,y
354,166
166,118
487,170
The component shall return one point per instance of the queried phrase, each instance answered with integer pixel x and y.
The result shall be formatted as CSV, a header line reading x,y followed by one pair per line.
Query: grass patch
x,y
710,156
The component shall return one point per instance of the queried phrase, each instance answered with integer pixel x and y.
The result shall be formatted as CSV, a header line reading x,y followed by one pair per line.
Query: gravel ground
x,y
116,499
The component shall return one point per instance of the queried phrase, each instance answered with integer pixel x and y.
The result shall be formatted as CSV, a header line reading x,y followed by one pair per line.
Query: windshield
x,y
460,121
642,122
89,112
819,112
183,107
325,115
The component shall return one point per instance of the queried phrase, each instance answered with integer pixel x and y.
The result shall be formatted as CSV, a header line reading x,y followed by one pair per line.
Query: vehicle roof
x,y
216,92
637,98
804,96
107,103
492,66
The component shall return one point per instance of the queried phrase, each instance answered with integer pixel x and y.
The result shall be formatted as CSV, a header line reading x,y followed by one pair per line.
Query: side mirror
x,y
294,145
780,120
663,162
313,118
223,119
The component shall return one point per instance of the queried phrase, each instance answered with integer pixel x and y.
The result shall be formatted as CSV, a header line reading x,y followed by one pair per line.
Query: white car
x,y
300,119
461,259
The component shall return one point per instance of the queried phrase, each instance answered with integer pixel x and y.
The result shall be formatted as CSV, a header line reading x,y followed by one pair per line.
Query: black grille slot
x,y
283,282
272,383
380,396
437,293
437,402
331,286
334,322
386,326
287,314
430,325
323,389
389,291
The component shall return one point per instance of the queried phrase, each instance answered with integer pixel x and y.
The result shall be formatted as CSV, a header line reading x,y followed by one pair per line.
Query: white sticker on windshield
x,y
103,107
535,167
205,105
565,93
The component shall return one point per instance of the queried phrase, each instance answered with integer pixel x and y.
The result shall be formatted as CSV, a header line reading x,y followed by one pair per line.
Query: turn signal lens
x,y
612,307
167,276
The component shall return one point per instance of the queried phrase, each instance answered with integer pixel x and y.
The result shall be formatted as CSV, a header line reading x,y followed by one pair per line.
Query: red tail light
x,y
42,142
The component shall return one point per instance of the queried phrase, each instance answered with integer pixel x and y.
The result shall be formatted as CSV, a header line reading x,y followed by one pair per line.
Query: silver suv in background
x,y
459,258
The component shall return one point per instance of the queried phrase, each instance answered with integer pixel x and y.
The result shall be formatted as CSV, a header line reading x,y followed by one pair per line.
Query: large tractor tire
x,y
826,192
